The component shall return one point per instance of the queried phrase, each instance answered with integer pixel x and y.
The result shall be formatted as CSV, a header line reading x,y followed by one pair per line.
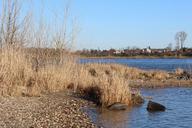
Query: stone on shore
x,y
153,106
184,76
117,106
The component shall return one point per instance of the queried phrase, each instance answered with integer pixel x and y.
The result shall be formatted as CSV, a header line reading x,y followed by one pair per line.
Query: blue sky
x,y
141,23
117,24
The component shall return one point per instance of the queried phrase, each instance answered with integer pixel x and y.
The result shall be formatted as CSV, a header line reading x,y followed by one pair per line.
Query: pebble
x,y
58,110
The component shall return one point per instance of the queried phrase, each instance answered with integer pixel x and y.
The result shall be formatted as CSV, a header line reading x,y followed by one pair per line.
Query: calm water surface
x,y
178,114
177,100
162,64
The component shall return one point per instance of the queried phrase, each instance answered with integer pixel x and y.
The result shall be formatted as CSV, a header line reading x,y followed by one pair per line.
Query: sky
x,y
140,23
106,24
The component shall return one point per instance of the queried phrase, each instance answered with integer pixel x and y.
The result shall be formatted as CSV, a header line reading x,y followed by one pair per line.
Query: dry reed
x,y
106,85
28,71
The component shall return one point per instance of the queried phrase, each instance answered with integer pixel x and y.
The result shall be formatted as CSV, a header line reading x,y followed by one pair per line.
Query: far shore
x,y
135,57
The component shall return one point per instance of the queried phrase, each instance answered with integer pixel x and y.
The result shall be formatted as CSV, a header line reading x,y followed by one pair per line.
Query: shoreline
x,y
52,110
60,108
135,57
164,84
103,84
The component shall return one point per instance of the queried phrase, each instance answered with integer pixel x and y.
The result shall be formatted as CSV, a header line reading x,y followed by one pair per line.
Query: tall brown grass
x,y
34,71
18,77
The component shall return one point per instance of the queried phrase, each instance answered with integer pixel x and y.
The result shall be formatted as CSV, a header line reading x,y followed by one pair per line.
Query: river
x,y
178,101
159,64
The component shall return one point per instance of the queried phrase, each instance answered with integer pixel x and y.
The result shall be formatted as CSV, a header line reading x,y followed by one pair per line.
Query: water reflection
x,y
108,119
178,113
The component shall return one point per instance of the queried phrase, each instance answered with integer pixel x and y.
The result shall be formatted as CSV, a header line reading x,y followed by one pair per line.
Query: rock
x,y
153,106
117,106
184,76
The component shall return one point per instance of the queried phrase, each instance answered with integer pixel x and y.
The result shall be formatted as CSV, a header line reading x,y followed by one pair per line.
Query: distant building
x,y
147,50
119,51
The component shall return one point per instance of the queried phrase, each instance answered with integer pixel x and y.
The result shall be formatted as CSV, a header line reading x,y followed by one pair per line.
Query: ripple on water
x,y
178,114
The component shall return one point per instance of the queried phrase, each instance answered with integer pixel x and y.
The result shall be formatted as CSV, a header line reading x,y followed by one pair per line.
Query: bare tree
x,y
18,28
180,38
9,21
64,37
13,28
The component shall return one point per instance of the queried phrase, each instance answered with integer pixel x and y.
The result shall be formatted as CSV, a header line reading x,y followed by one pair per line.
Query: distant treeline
x,y
137,52
146,52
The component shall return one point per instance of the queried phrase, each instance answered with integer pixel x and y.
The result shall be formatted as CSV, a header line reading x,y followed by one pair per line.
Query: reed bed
x,y
35,58
102,83
24,74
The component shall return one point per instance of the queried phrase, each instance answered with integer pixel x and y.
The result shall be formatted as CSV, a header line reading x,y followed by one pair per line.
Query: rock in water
x,y
153,106
117,106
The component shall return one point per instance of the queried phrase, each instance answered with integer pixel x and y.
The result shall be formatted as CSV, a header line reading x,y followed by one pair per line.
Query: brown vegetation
x,y
33,71
28,71
102,83
106,84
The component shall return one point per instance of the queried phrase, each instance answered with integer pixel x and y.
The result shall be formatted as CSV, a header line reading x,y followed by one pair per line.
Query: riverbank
x,y
161,84
52,110
31,84
138,78
29,87
162,79
135,57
